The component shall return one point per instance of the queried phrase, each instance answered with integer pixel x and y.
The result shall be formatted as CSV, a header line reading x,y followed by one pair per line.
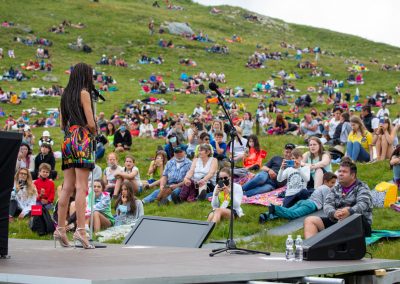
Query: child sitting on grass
x,y
102,217
45,186
113,168
127,207
23,195
129,173
302,207
297,178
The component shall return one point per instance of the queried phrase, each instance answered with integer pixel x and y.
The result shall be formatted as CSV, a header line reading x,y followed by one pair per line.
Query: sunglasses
x,y
223,178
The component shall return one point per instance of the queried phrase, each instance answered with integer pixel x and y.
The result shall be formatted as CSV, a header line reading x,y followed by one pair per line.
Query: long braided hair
x,y
81,78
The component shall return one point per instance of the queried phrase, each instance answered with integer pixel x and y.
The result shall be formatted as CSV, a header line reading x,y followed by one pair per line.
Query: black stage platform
x,y
38,262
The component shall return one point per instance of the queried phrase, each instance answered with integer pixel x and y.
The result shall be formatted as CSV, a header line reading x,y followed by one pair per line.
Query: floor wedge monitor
x,y
343,241
169,232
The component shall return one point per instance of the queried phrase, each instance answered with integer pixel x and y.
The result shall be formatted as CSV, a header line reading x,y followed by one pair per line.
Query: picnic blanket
x,y
396,206
379,234
265,199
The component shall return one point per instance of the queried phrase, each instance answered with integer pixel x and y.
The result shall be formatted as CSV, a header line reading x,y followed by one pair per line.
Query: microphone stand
x,y
230,245
95,97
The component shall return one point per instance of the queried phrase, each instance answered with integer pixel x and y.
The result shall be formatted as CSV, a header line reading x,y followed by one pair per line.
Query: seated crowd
x,y
193,165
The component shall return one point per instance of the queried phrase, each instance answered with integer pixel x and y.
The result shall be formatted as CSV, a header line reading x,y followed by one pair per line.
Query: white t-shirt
x,y
239,149
382,112
109,173
332,126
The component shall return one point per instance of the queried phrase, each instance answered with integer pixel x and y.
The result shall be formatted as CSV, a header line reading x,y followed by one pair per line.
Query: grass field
x,y
120,28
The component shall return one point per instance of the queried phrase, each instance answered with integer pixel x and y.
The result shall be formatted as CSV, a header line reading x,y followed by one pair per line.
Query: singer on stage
x,y
78,124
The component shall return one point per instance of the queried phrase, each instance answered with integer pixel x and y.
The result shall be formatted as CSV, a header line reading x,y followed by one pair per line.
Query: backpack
x,y
43,224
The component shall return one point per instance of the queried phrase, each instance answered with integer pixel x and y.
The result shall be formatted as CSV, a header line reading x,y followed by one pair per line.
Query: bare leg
x,y
318,178
80,200
379,149
117,187
221,213
387,149
103,222
67,190
210,217
312,225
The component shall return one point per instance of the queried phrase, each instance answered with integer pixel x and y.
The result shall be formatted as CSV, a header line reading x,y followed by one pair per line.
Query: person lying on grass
x,y
302,207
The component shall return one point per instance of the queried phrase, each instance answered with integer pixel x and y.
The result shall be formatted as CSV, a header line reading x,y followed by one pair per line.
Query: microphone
x,y
96,95
214,87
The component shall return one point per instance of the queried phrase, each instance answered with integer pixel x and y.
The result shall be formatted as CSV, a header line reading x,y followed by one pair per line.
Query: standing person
x,y
151,27
78,124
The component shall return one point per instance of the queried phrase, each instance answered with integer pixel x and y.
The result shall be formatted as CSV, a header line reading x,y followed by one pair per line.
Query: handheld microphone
x,y
214,87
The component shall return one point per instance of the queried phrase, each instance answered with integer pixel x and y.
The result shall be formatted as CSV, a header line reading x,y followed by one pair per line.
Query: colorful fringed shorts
x,y
77,148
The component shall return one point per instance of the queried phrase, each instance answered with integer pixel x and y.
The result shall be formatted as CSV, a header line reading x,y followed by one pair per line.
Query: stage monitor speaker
x,y
343,241
9,145
169,232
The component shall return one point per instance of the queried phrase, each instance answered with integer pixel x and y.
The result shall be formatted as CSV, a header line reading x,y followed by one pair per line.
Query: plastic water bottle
x,y
299,249
289,248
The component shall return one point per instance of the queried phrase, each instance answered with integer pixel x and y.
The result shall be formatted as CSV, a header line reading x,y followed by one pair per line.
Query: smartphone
x,y
290,163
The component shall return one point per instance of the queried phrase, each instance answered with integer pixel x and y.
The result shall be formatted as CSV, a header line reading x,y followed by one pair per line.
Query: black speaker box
x,y
9,145
343,241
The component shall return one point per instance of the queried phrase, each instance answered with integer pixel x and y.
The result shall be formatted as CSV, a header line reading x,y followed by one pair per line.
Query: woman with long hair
x,y
318,161
78,123
127,207
110,132
156,169
247,125
359,141
384,138
221,200
102,216
281,126
23,196
253,154
25,158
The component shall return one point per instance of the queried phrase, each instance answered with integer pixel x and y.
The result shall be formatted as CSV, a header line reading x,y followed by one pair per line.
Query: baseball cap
x,y
352,109
46,133
178,149
290,146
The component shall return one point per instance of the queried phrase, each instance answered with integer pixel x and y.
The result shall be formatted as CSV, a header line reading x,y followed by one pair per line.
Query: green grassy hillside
x,y
120,28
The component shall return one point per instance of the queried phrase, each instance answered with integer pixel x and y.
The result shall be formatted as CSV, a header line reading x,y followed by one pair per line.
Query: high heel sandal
x,y
84,242
61,237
